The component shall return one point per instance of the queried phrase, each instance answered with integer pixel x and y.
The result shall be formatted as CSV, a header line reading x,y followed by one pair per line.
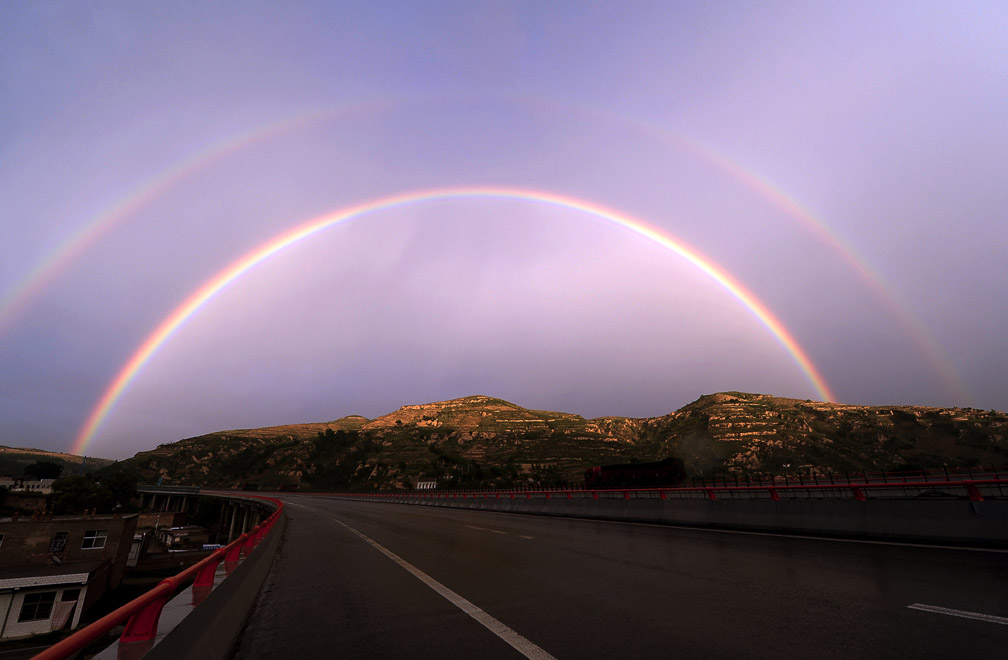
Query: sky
x,y
243,214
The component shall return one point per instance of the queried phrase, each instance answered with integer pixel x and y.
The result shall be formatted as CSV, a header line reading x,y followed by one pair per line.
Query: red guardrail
x,y
862,477
852,489
141,615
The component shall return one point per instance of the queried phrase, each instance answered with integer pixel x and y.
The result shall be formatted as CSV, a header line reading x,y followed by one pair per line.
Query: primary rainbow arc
x,y
242,265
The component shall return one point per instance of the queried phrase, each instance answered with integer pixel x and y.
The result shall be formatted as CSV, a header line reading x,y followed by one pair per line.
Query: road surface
x,y
366,580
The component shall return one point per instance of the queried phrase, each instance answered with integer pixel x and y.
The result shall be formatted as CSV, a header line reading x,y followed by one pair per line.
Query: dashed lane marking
x,y
497,531
519,643
989,618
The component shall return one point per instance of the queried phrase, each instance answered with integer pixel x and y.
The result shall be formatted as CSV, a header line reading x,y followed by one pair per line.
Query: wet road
x,y
366,580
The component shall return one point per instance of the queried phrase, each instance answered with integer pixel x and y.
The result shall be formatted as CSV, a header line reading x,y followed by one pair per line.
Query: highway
x,y
367,580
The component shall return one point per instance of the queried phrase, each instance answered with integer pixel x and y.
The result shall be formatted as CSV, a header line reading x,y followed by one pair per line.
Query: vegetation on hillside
x,y
480,441
15,461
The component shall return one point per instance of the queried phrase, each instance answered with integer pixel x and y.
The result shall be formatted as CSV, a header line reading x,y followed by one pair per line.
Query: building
x,y
52,569
190,537
22,485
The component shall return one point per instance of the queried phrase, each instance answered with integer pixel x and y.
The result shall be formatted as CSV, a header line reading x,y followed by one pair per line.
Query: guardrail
x,y
862,477
975,490
961,512
972,482
142,614
169,490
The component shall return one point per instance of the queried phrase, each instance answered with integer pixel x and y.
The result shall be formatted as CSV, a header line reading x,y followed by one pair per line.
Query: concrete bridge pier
x,y
234,519
167,503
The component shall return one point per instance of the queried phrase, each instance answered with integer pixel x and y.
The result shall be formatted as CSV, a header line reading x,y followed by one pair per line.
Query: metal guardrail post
x,y
205,576
142,626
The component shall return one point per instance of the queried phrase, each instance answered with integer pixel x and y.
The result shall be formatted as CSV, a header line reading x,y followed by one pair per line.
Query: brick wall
x,y
31,542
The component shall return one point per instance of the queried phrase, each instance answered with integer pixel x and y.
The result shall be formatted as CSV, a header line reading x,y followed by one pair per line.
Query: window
x,y
37,606
94,538
1,540
58,543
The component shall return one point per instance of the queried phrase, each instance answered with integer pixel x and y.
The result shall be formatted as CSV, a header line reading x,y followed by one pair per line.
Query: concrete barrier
x,y
918,520
212,633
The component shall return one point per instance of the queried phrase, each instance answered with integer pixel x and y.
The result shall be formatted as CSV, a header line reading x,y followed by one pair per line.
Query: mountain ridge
x,y
13,460
480,440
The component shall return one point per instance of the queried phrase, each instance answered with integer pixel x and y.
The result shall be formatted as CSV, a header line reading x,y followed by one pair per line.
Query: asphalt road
x,y
364,580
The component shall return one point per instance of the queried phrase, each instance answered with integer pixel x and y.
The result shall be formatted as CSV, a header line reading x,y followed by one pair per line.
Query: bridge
x,y
445,574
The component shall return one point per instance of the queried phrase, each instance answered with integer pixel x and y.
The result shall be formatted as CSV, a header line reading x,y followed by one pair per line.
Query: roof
x,y
78,572
22,520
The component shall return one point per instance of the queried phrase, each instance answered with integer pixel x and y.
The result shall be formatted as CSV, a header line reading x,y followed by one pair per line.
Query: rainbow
x,y
17,297
920,335
772,193
47,270
244,264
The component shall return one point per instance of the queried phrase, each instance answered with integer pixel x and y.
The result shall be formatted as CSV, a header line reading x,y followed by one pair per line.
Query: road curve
x,y
366,580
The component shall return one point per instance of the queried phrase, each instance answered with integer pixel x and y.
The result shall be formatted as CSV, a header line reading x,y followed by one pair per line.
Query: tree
x,y
77,493
43,470
122,487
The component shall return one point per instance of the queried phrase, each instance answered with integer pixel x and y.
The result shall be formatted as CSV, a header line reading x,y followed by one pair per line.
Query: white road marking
x,y
519,643
989,618
497,531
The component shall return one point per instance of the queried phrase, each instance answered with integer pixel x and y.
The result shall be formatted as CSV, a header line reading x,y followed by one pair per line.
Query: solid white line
x,y
989,618
519,643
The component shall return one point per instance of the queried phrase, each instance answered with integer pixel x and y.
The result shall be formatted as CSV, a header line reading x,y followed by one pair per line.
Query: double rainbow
x,y
16,298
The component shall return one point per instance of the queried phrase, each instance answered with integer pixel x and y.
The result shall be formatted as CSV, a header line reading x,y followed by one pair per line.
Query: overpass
x,y
363,576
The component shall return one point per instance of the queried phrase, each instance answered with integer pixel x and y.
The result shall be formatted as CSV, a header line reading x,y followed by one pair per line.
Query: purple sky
x,y
844,161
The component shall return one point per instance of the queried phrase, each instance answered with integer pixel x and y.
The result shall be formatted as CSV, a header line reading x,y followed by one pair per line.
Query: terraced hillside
x,y
738,433
482,441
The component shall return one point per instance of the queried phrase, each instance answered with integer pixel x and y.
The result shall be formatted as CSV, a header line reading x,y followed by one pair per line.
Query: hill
x,y
741,433
483,441
13,460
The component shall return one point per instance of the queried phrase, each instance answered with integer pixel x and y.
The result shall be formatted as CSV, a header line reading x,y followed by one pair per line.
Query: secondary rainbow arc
x,y
14,300
261,253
